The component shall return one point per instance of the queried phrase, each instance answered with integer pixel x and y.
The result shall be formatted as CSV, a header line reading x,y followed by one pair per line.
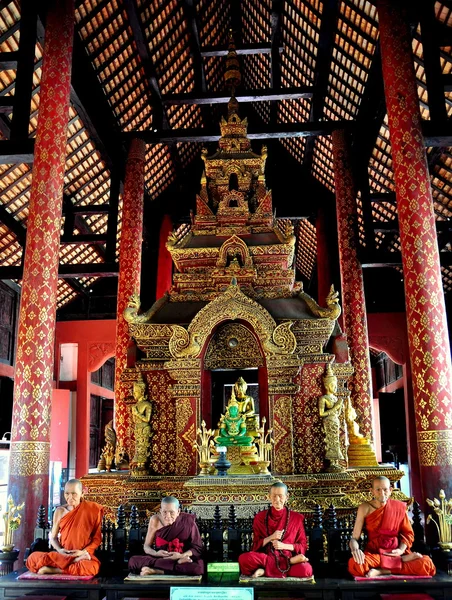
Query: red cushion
x,y
406,597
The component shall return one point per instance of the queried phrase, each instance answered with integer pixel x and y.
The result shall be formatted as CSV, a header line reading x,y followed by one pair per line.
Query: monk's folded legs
x,y
53,562
422,566
251,563
166,565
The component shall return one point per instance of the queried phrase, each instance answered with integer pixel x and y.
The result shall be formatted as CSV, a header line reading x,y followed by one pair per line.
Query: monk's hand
x,y
174,555
81,555
278,545
395,552
357,553
276,535
161,553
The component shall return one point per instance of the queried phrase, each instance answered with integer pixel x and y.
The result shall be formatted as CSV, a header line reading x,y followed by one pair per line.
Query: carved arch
x,y
231,247
232,305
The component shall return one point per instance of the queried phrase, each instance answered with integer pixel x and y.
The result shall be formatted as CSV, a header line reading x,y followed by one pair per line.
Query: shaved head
x,y
380,479
280,485
75,482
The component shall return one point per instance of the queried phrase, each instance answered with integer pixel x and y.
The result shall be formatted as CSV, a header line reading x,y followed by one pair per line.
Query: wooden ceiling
x,y
155,68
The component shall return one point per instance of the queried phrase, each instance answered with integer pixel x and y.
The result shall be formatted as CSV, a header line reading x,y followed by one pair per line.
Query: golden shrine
x,y
235,312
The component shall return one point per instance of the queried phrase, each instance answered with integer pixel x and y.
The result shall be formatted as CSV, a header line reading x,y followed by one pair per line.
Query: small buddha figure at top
x,y
246,406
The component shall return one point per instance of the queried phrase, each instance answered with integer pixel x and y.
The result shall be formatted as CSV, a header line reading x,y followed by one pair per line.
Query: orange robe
x,y
386,527
80,529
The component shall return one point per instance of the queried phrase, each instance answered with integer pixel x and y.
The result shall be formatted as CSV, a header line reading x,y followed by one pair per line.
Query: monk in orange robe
x,y
390,537
75,535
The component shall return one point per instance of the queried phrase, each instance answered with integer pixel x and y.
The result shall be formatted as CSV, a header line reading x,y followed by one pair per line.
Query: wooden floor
x,y
114,588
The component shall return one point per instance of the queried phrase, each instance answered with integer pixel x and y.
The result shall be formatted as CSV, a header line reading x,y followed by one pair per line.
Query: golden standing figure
x,y
330,407
141,414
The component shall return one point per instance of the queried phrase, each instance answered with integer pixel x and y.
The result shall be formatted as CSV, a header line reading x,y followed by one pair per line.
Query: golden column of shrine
x,y
129,281
30,439
428,337
354,303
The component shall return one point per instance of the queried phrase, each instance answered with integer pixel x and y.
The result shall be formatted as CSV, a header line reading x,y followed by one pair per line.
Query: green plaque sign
x,y
211,593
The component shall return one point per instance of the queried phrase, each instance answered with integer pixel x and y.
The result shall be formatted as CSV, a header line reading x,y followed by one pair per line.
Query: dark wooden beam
x,y
16,152
91,209
84,238
13,225
69,271
282,130
432,61
328,26
275,59
240,50
383,197
392,259
437,135
8,60
245,96
112,223
23,89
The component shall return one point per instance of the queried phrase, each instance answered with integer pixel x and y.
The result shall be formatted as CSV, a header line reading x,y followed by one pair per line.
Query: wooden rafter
x,y
328,28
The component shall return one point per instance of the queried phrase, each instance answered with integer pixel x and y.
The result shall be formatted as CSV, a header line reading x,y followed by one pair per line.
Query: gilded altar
x,y
235,305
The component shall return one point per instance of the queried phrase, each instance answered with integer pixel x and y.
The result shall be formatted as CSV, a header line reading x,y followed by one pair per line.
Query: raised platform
x,y
439,587
345,490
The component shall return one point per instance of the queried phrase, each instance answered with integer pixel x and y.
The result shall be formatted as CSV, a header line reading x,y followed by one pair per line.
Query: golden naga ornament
x,y
12,519
443,521
204,447
333,309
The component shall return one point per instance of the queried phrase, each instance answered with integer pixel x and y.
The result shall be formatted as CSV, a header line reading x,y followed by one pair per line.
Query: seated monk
x,y
279,541
75,535
390,537
178,542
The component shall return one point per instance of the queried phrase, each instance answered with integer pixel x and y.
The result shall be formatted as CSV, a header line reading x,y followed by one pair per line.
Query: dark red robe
x,y
386,527
80,529
275,563
181,536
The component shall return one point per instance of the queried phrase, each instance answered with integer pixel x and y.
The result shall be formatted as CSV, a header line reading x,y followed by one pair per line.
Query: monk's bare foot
x,y
410,557
184,559
378,572
298,558
149,571
49,571
258,573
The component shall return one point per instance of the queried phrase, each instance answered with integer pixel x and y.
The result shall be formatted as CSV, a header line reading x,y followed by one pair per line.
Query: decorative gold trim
x,y
30,458
435,448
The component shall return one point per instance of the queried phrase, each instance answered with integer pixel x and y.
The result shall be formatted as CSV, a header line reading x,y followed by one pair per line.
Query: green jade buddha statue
x,y
233,427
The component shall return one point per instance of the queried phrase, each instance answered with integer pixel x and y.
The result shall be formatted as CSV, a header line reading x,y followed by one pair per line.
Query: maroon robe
x,y
276,563
181,536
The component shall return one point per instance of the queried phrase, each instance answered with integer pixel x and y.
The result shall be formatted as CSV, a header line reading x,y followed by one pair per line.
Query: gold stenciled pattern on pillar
x,y
163,456
129,275
426,316
307,426
435,448
34,362
282,434
29,458
233,346
185,437
353,299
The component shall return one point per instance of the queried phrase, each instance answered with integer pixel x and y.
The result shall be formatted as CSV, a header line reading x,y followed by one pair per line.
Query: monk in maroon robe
x,y
75,535
177,541
279,541
390,537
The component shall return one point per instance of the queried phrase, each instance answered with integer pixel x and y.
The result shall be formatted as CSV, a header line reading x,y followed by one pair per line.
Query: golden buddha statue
x,y
330,407
246,406
141,414
233,427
